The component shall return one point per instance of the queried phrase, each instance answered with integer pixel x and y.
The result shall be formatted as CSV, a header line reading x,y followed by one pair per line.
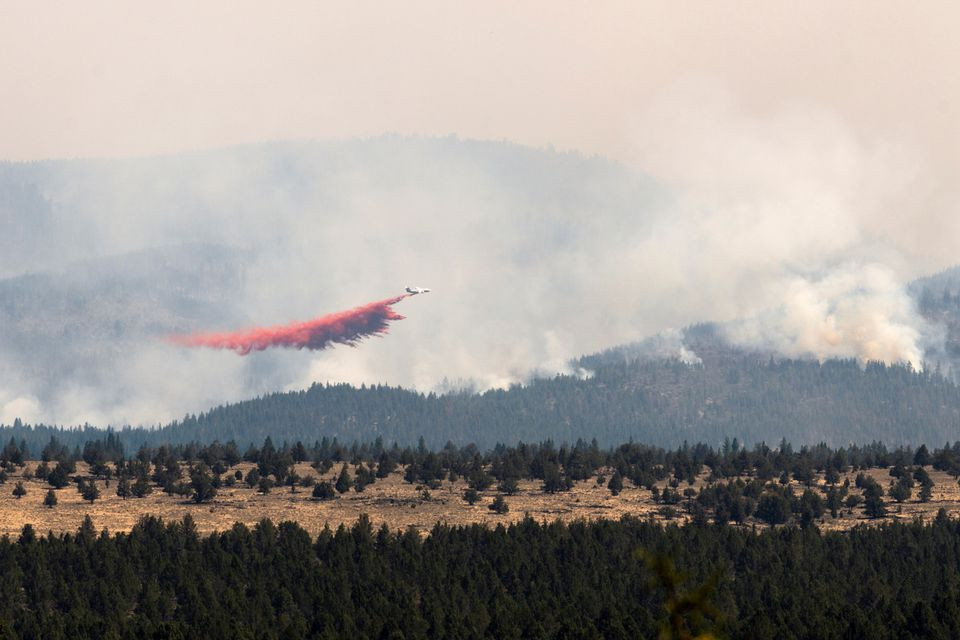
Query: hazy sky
x,y
111,78
811,150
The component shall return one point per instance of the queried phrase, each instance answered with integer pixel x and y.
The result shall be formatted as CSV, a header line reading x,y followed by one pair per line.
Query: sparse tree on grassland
x,y
873,500
900,491
59,477
90,492
616,483
834,502
508,486
324,491
264,485
202,485
123,487
344,481
499,505
141,488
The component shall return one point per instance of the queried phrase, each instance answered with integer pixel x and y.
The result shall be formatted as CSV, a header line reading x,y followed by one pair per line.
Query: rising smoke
x,y
782,227
795,234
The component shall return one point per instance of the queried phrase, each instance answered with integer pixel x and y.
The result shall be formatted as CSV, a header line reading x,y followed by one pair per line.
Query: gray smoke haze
x,y
784,228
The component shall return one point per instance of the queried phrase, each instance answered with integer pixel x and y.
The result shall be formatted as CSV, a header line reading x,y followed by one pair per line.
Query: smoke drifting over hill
x,y
783,228
794,233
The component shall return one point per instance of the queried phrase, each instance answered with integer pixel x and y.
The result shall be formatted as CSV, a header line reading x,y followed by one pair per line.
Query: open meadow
x,y
400,504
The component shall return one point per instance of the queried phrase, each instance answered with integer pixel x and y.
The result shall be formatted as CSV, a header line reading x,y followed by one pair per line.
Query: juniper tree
x,y
323,491
873,504
202,485
90,492
344,481
141,488
499,505
123,487
59,477
900,491
616,483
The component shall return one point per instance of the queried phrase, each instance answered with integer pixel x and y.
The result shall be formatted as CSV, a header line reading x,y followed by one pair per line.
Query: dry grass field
x,y
391,501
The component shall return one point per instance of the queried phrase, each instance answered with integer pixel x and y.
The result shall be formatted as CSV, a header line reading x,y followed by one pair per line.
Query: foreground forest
x,y
528,580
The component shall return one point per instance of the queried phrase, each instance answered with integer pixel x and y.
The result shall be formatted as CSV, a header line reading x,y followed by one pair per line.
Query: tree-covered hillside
x,y
660,402
656,402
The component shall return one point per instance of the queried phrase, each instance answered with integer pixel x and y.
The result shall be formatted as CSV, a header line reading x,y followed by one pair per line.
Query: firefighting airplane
x,y
415,290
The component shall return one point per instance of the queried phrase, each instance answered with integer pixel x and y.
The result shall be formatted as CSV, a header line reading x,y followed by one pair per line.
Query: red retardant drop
x,y
344,327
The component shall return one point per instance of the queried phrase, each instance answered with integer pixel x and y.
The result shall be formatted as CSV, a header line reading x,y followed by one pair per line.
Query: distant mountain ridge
x,y
655,401
640,392
103,257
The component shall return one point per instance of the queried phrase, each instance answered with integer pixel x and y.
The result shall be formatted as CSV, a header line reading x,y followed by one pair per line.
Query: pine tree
x,y
344,481
773,508
51,499
834,502
59,477
323,491
508,486
202,485
616,483
90,492
141,488
19,491
873,504
499,505
264,485
123,487
900,491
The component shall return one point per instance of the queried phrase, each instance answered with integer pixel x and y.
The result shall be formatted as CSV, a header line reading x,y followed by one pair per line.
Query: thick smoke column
x,y
344,327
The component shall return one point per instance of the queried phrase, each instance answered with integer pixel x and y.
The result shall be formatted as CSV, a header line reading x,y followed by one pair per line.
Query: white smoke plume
x,y
783,226
854,311
787,228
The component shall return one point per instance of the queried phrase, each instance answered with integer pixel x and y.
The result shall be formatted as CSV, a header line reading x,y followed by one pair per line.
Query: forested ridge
x,y
659,402
528,580
628,394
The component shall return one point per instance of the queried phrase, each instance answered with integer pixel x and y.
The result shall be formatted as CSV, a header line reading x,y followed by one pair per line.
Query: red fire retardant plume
x,y
345,327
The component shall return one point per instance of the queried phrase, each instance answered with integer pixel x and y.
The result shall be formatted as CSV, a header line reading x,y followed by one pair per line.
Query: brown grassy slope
x,y
391,501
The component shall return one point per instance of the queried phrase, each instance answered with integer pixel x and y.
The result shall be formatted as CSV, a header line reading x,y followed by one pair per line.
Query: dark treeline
x,y
581,460
659,402
527,580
